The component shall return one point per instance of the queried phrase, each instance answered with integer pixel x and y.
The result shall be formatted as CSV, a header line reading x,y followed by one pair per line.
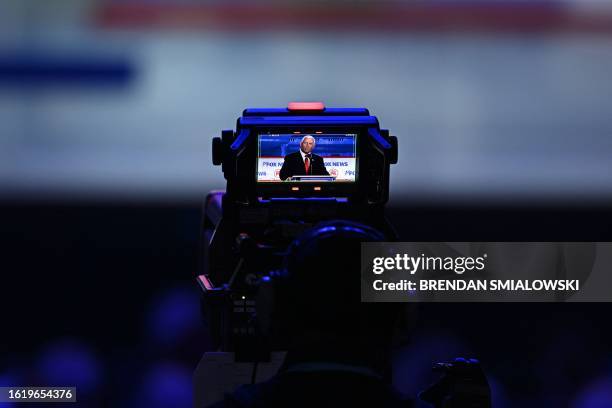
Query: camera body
x,y
334,163
248,228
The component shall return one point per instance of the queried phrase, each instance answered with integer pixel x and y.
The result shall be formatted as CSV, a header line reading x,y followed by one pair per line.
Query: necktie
x,y
307,163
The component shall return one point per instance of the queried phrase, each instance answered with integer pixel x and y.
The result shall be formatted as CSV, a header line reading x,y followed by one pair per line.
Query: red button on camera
x,y
306,106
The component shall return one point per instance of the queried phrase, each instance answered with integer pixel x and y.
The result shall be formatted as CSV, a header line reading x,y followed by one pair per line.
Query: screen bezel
x,y
269,189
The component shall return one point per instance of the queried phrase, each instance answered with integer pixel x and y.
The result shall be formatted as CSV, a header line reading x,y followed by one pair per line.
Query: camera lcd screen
x,y
307,157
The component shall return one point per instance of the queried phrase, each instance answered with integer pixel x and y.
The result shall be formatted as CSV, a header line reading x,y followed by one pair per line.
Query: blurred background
x,y
107,109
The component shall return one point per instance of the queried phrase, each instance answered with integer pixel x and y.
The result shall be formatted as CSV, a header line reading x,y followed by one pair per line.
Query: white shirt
x,y
304,156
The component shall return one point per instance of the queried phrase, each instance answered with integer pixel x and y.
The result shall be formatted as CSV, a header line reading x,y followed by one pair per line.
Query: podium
x,y
317,179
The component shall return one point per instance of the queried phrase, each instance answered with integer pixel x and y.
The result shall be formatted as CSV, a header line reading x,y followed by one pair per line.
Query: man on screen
x,y
303,162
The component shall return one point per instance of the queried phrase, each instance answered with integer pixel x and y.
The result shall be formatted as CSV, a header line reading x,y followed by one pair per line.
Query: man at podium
x,y
303,162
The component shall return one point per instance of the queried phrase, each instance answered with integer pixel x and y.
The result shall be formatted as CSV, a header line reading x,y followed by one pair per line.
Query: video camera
x,y
286,170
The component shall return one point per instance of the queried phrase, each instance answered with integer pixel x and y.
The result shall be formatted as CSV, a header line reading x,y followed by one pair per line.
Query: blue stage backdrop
x,y
338,152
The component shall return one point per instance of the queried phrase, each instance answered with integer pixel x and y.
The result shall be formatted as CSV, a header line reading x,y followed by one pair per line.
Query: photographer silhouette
x,y
339,349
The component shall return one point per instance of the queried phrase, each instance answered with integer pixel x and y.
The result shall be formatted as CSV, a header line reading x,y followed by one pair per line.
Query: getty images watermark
x,y
486,271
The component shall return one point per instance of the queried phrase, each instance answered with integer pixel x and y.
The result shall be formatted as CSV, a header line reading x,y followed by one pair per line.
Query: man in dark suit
x,y
303,162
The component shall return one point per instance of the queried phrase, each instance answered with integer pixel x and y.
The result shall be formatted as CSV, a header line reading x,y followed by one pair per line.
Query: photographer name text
x,y
476,285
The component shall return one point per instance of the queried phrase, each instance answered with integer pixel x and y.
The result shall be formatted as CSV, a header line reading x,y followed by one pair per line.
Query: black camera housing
x,y
246,229
236,152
